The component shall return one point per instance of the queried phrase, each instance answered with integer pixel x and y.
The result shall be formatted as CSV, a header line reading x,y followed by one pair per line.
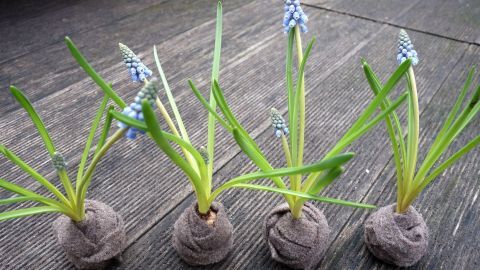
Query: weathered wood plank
x,y
328,117
28,27
454,19
241,63
52,69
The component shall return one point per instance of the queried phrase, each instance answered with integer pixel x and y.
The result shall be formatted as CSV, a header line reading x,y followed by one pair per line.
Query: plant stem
x,y
297,210
67,184
294,185
413,134
172,127
91,168
301,105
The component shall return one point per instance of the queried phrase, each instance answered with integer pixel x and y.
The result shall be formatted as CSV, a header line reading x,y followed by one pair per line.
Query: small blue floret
x,y
294,16
138,71
405,49
278,123
149,93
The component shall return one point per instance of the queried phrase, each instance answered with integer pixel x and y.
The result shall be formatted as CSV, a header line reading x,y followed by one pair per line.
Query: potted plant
x,y
397,233
203,234
89,231
297,232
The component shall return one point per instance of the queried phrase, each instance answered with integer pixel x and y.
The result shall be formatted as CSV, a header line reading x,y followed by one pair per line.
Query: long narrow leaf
x,y
171,100
207,106
27,212
82,61
106,129
33,173
91,136
157,136
37,121
129,121
215,75
25,192
297,131
379,99
306,196
319,166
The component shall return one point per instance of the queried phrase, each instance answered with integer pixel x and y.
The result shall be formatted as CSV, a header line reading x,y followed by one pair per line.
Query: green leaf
x,y
207,106
28,212
129,121
106,129
305,196
319,166
326,180
91,136
171,100
379,99
25,192
294,127
106,88
450,161
158,137
37,121
17,200
227,112
215,75
289,75
344,142
33,173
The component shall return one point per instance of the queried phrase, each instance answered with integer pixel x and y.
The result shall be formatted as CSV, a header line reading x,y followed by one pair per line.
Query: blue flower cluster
x,y
278,123
58,161
405,49
294,15
138,71
148,92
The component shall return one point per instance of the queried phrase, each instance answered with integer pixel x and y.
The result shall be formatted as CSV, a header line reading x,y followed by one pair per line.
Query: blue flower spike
x,y
278,123
294,16
405,49
149,93
59,161
138,71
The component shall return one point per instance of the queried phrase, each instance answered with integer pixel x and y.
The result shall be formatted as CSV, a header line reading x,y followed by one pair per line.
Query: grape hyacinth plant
x,y
106,237
297,210
206,215
407,243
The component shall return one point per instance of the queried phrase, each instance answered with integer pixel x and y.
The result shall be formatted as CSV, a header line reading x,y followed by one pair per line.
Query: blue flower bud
x,y
294,15
58,161
405,49
278,123
138,71
149,93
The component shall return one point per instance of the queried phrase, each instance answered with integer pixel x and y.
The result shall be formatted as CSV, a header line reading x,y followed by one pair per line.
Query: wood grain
x,y
459,20
141,184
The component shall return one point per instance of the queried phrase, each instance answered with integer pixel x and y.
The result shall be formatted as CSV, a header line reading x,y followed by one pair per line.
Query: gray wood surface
x,y
455,19
140,183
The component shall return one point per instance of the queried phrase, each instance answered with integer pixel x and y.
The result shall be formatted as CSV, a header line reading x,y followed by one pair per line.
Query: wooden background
x,y
138,181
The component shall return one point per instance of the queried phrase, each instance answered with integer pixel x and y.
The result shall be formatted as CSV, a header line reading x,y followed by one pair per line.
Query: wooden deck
x,y
138,181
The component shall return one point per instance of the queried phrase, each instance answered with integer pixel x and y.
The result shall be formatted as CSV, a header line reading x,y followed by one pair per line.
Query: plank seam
x,y
393,24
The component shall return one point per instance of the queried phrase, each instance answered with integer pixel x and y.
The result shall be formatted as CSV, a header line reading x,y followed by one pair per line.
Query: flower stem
x,y
91,168
301,105
288,157
412,136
